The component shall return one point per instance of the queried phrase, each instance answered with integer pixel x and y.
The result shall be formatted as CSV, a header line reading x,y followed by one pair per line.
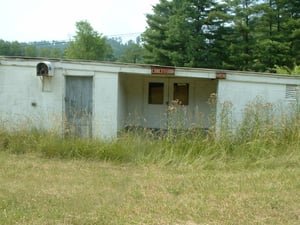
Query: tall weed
x,y
263,133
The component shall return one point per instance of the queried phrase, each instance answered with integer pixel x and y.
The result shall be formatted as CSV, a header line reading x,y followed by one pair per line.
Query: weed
x,y
243,173
254,138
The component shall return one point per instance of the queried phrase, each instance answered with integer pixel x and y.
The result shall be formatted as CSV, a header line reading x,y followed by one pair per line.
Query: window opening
x,y
156,93
181,93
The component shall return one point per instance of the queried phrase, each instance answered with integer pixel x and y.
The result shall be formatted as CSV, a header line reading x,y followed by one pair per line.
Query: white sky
x,y
36,20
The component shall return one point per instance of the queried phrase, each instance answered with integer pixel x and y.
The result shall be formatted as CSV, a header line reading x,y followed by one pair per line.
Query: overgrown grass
x,y
246,175
260,136
42,191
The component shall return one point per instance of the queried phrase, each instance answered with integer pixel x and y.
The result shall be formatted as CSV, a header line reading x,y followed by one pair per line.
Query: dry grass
x,y
36,190
251,176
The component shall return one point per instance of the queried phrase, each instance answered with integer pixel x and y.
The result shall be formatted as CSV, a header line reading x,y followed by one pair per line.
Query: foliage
x,y
232,34
49,49
287,70
256,35
130,52
88,44
117,46
154,38
10,48
133,52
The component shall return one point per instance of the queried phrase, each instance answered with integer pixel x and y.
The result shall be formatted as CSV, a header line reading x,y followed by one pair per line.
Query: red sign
x,y
162,70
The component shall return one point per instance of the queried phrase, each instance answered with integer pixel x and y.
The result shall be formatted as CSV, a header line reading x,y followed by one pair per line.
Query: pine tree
x,y
234,34
155,49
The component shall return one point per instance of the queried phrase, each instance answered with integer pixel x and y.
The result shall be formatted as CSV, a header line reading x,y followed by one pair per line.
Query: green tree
x,y
183,33
117,47
4,47
56,53
31,50
133,52
88,44
293,30
10,48
15,49
277,35
45,52
241,41
207,21
156,49
287,70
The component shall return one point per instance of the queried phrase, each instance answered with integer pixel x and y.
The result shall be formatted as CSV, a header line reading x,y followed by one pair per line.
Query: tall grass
x,y
262,134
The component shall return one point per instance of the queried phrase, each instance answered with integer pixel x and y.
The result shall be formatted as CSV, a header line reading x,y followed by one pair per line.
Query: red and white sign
x,y
162,70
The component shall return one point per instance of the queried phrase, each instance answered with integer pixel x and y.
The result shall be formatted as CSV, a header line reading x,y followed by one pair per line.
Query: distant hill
x,y
56,49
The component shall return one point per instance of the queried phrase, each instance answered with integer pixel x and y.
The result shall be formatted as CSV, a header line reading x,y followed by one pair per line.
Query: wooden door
x,y
79,106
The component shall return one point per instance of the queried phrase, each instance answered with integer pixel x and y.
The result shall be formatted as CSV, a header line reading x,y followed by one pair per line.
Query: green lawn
x,y
38,190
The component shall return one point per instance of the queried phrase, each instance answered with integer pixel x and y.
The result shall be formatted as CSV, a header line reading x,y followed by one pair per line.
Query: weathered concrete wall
x,y
239,91
106,104
28,100
120,96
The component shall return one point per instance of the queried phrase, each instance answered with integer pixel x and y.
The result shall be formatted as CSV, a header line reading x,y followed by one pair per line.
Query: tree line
x,y
129,52
53,49
254,35
87,44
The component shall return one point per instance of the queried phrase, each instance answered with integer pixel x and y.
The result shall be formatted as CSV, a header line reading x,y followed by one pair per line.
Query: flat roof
x,y
144,69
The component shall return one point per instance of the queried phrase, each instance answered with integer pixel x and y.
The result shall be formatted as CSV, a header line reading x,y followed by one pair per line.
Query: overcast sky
x,y
36,20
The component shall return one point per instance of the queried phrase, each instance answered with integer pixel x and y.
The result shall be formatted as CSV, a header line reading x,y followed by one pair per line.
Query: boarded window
x,y
291,92
181,93
156,93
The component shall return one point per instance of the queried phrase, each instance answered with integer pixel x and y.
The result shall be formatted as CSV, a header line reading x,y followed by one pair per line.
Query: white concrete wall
x,y
27,100
105,123
239,91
